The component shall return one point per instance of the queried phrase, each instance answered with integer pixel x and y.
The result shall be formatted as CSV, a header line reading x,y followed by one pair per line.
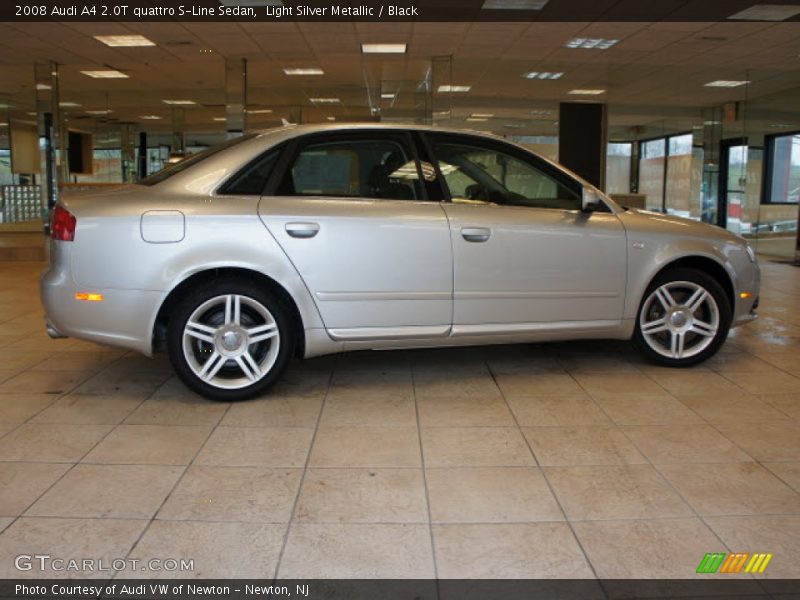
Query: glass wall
x,y
618,168
651,172
784,160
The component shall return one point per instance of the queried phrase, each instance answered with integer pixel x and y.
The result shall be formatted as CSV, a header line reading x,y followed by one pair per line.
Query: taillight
x,y
64,222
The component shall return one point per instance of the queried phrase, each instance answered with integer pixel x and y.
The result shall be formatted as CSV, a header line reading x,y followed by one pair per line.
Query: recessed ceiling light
x,y
110,74
124,41
542,75
99,112
220,119
68,104
384,48
304,71
514,125
454,89
482,115
150,117
591,43
781,125
725,83
767,12
331,118
388,96
712,122
587,92
324,100
540,112
43,86
476,119
259,111
179,102
514,4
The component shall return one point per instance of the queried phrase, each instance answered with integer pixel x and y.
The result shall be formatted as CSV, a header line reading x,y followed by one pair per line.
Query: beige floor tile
x,y
596,363
524,363
301,383
4,429
5,522
108,491
648,410
18,408
556,411
219,550
22,483
766,383
766,441
367,361
778,535
475,447
99,539
13,360
44,382
739,362
739,408
366,447
490,495
732,489
600,385
149,445
362,496
358,551
464,412
50,442
88,410
685,444
357,384
256,447
508,551
178,410
139,363
441,384
789,473
538,384
620,492
350,410
121,381
78,360
789,404
681,382
569,446
241,494
6,374
274,412
662,548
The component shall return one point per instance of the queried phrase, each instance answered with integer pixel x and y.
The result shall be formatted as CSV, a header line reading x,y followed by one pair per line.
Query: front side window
x,y
363,168
484,174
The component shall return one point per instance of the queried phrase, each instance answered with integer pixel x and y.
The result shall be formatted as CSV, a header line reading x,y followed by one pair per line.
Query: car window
x,y
478,174
357,168
252,179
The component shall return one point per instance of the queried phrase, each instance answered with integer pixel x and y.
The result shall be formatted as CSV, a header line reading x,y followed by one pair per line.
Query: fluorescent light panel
x,y
514,4
476,120
68,104
324,100
454,89
43,86
388,96
384,48
481,115
542,75
110,74
150,117
124,41
304,71
99,112
723,83
179,102
580,92
259,111
767,12
591,43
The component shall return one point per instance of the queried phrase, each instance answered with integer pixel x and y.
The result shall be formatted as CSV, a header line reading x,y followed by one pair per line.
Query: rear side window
x,y
357,168
252,179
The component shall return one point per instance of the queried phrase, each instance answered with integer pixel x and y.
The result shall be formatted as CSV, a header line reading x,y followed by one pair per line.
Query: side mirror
x,y
590,200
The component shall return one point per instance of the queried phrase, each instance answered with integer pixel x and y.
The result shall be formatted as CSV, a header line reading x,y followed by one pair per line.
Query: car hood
x,y
645,221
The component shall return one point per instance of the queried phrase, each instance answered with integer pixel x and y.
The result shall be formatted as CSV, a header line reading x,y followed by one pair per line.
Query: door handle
x,y
476,234
302,230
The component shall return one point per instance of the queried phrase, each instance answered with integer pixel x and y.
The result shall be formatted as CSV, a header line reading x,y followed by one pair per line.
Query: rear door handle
x,y
476,234
302,230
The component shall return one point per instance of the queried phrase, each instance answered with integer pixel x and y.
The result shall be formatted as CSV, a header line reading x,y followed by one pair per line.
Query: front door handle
x,y
302,230
476,234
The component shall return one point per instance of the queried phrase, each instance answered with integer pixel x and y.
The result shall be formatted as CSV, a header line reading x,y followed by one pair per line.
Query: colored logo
x,y
739,562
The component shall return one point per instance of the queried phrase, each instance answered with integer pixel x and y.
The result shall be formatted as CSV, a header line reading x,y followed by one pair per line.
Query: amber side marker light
x,y
87,297
745,295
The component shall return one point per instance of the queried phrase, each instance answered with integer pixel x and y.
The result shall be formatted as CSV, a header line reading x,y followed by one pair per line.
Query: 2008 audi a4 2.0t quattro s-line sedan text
x,y
309,240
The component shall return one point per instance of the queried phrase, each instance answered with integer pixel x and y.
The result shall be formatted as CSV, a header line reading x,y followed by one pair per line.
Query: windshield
x,y
178,167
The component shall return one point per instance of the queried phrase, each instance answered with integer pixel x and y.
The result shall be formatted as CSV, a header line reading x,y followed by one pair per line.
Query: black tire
x,y
675,277
251,295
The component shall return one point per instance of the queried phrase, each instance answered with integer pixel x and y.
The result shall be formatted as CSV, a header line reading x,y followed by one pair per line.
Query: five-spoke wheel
x,y
229,341
683,319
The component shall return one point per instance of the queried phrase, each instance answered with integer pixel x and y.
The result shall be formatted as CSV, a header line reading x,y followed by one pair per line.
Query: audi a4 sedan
x,y
310,240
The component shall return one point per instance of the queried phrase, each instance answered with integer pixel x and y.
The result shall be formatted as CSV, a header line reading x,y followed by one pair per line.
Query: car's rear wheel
x,y
684,318
230,340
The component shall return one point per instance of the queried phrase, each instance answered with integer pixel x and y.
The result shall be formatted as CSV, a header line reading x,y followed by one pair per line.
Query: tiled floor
x,y
562,460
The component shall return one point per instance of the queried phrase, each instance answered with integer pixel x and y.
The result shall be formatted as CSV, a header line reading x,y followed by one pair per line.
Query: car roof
x,y
292,130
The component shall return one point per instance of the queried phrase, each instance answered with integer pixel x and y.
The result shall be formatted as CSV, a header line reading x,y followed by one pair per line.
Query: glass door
x,y
733,183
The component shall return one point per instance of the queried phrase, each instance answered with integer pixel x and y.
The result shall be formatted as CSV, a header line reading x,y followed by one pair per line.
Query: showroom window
x,y
476,174
358,168
618,168
667,168
783,174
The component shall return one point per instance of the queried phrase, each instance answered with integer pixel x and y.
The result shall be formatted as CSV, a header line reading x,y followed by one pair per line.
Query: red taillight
x,y
64,222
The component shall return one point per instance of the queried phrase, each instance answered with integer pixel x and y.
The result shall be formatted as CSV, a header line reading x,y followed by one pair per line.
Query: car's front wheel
x,y
230,340
684,318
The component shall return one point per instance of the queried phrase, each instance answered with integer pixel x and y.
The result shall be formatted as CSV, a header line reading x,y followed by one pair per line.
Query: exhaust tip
x,y
52,331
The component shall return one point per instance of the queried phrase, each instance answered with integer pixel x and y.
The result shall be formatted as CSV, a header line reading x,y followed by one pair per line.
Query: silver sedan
x,y
310,240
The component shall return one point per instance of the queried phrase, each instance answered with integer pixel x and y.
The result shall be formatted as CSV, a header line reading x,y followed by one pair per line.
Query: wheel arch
x,y
199,278
704,264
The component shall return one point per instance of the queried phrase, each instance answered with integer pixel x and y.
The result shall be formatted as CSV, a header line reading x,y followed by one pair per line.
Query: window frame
x,y
666,157
280,148
288,158
766,175
535,161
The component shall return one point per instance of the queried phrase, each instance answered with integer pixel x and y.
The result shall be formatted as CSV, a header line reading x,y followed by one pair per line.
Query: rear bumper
x,y
124,318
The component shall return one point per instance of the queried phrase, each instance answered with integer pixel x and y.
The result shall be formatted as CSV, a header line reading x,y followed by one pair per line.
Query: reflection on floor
x,y
561,460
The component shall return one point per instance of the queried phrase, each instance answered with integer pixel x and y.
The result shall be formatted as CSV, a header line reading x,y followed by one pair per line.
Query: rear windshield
x,y
178,167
